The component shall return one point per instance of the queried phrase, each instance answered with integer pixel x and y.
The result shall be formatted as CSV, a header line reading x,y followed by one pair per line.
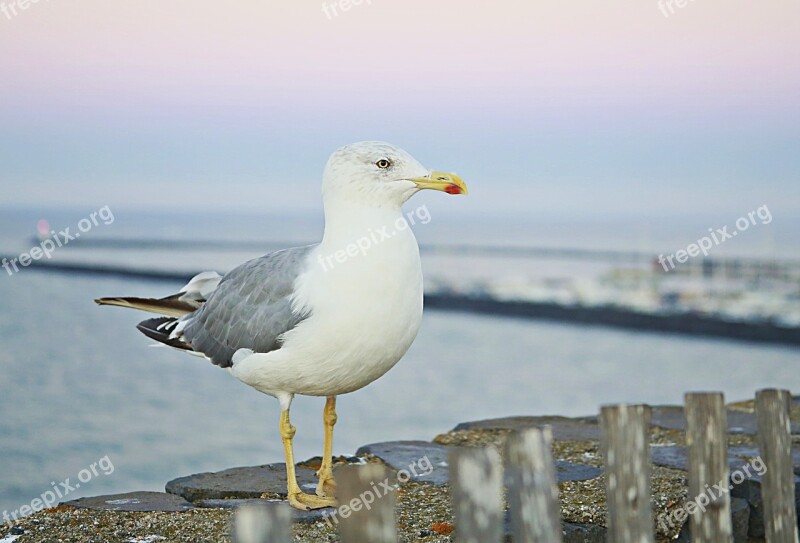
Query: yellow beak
x,y
446,182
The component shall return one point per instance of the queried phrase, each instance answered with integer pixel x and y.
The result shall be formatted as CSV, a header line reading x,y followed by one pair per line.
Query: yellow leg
x,y
327,485
296,497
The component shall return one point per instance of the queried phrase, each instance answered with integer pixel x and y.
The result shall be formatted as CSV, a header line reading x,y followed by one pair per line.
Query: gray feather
x,y
250,309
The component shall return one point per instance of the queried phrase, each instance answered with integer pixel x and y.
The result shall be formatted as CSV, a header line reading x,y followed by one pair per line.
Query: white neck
x,y
346,221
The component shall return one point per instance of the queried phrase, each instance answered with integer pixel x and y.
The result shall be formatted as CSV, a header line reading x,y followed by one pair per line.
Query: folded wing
x,y
250,307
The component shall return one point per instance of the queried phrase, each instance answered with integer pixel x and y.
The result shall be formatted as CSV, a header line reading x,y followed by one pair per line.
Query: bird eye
x,y
383,163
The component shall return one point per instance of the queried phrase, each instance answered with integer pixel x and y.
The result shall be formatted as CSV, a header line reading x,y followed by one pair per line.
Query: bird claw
x,y
326,487
307,502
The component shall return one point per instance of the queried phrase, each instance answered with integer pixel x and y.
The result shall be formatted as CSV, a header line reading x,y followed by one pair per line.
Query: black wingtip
x,y
152,328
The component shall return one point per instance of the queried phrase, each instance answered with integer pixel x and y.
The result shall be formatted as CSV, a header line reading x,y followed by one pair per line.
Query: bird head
x,y
378,173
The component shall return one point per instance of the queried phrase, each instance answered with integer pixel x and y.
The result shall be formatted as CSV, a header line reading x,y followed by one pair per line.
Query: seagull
x,y
320,320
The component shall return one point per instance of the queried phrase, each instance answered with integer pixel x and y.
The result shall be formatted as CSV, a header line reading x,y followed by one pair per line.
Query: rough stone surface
x,y
564,429
571,532
569,471
583,533
750,490
405,454
740,519
247,482
741,454
299,516
134,501
740,516
402,454
670,457
677,458
671,417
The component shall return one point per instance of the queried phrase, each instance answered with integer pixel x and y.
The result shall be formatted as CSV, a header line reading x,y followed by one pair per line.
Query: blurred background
x,y
594,137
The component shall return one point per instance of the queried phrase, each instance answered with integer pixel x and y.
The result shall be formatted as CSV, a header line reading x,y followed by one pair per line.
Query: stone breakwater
x,y
199,507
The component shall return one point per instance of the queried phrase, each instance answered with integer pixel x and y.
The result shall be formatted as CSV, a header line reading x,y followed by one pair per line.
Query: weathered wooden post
x,y
366,510
267,523
626,446
775,446
532,492
476,476
707,442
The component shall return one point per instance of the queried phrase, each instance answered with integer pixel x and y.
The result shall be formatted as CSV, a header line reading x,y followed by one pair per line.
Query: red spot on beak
x,y
452,189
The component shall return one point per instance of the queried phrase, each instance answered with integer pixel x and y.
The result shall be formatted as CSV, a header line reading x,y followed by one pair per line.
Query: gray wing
x,y
250,309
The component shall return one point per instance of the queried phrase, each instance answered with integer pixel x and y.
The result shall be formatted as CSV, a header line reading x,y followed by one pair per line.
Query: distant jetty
x,y
685,323
480,303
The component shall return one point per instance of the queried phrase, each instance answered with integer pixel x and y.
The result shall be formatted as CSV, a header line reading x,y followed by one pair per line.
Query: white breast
x,y
366,310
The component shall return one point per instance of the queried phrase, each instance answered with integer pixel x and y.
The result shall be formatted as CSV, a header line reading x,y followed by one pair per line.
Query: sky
x,y
572,108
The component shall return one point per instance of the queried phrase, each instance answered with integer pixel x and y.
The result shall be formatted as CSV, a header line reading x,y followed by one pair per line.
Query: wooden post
x,y
476,476
775,446
626,446
267,523
532,492
366,510
707,441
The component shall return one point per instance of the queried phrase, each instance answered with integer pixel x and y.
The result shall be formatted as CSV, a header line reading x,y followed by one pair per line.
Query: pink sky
x,y
568,94
103,55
